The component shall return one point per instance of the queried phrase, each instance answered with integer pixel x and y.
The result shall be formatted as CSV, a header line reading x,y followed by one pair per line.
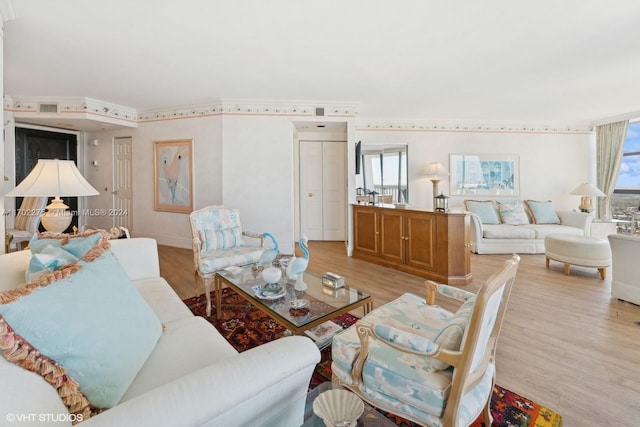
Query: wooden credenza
x,y
434,245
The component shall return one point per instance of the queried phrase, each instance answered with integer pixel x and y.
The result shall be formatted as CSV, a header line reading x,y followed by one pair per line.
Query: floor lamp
x,y
435,170
54,178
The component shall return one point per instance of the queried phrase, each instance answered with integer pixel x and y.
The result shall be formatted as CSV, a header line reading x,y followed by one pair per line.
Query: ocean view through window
x,y
625,201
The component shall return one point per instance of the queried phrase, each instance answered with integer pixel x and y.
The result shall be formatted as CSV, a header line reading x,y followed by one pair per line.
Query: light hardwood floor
x,y
565,343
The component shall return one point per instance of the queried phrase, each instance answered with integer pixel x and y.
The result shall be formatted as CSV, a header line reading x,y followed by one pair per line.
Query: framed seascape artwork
x,y
484,174
173,175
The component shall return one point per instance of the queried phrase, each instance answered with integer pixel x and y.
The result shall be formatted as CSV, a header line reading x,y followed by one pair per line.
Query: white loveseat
x,y
193,376
527,237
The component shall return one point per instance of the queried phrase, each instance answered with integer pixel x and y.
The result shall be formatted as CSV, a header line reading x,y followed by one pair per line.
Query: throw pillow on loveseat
x,y
54,325
486,210
542,212
507,226
513,212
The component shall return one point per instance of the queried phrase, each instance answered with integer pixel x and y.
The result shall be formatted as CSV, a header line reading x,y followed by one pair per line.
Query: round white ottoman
x,y
578,250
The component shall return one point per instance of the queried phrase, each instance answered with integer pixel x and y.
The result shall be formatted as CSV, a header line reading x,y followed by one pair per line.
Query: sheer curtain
x,y
610,146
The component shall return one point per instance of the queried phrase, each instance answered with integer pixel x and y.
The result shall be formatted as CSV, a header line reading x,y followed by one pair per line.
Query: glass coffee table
x,y
324,303
369,418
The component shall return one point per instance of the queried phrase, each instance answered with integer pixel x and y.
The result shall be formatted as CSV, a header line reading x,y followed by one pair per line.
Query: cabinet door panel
x,y
392,236
365,230
430,244
421,232
458,259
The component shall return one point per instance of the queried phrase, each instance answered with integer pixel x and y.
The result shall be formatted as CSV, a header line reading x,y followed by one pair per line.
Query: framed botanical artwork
x,y
173,175
484,174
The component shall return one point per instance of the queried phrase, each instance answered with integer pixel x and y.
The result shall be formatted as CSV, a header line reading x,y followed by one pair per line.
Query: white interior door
x,y
333,190
311,197
323,189
122,213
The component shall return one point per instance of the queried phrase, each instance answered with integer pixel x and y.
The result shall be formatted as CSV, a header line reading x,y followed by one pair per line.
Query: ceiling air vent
x,y
48,108
319,111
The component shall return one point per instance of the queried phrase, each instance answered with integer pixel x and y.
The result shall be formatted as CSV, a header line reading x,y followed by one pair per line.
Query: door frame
x,y
324,147
10,170
308,131
114,206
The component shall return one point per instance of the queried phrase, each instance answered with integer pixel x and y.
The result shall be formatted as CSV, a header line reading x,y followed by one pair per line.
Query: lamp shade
x,y
54,178
586,189
435,169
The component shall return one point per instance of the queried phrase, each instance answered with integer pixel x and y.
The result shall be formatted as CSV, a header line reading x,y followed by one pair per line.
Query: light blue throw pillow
x,y
485,209
226,238
76,245
92,322
50,254
542,212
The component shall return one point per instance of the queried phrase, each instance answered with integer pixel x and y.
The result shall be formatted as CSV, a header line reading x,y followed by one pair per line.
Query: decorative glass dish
x,y
269,291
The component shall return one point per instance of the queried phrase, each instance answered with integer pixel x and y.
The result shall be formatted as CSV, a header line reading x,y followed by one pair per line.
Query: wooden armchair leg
x,y
431,292
196,276
486,412
207,292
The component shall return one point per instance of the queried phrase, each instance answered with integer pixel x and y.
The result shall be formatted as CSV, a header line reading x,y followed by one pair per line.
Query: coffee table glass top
x,y
322,301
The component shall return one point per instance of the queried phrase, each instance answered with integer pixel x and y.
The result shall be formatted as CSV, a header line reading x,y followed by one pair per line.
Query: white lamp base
x,y
586,204
57,218
436,191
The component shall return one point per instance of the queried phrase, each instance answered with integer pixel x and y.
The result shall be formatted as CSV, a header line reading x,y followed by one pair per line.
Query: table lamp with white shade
x,y
435,170
588,192
54,178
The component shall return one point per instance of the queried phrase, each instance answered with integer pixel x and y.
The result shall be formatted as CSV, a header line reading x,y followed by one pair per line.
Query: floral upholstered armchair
x,y
219,242
423,363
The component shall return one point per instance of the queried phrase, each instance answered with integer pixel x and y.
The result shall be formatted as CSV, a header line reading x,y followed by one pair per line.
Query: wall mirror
x,y
382,168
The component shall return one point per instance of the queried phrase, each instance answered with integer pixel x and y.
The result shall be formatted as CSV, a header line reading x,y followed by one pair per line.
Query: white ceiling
x,y
572,61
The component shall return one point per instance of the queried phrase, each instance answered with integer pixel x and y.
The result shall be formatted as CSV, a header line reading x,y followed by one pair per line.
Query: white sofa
x,y
526,238
193,377
625,281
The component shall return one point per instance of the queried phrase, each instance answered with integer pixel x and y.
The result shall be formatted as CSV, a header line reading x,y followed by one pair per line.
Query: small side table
x,y
602,228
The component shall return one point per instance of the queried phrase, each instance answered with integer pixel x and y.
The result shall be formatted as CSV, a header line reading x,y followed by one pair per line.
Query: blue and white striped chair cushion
x,y
218,259
409,322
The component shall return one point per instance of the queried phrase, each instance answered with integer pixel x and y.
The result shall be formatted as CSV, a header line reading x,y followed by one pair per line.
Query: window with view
x,y
625,201
384,170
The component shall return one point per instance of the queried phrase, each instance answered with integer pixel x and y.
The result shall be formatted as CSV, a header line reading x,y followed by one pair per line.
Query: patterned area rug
x,y
245,327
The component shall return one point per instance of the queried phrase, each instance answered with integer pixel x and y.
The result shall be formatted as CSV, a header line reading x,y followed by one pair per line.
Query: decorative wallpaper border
x,y
69,105
504,127
282,108
230,107
243,107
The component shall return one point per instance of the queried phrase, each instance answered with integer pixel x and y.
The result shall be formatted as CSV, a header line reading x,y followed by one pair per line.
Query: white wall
x,y
241,160
8,166
258,174
248,161
167,227
3,172
551,164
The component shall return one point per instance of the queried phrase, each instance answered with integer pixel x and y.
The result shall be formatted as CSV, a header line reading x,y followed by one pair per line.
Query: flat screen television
x,y
358,156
